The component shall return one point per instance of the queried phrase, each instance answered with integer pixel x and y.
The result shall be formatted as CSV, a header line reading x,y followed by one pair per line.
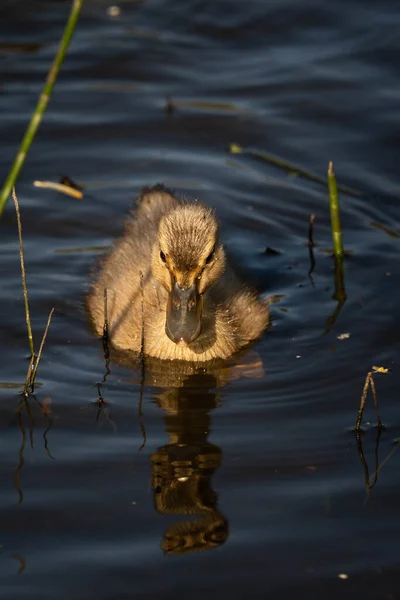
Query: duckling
x,y
170,292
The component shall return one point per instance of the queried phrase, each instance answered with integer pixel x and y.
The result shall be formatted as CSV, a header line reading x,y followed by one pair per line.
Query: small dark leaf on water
x,y
271,251
169,106
65,180
276,298
19,47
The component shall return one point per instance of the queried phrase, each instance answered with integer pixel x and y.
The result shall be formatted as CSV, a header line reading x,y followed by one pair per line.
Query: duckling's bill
x,y
184,312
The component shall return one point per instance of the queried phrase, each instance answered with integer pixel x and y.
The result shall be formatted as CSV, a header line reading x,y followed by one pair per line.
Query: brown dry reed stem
x,y
311,231
335,214
42,103
105,326
142,366
311,245
42,343
27,385
34,362
142,307
369,381
23,275
105,338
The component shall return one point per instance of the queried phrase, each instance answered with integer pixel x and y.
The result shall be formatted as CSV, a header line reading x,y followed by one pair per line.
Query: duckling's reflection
x,y
182,469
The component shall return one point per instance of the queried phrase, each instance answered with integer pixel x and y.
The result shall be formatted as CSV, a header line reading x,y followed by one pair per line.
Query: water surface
x,y
247,480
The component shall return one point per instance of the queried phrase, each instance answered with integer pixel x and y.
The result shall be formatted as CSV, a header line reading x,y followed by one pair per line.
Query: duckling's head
x,y
187,259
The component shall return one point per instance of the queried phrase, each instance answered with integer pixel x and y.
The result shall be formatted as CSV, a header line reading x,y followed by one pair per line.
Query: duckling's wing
x,y
122,269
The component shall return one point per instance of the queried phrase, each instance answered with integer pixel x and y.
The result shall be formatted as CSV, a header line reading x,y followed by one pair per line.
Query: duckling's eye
x,y
210,256
162,256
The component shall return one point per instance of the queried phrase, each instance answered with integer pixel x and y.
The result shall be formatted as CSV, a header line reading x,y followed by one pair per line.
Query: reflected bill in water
x,y
182,470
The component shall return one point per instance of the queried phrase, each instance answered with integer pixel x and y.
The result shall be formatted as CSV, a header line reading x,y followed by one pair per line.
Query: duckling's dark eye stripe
x,y
210,256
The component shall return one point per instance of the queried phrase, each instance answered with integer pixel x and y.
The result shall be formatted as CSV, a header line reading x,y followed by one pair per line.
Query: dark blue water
x,y
249,481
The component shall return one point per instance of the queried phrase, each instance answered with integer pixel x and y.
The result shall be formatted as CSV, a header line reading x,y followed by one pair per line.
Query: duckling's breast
x,y
213,341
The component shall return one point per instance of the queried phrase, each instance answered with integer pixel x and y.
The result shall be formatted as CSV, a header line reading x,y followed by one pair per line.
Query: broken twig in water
x,y
59,187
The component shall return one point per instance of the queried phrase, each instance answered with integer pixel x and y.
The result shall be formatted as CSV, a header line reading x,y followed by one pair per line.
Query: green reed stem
x,y
335,214
288,167
41,105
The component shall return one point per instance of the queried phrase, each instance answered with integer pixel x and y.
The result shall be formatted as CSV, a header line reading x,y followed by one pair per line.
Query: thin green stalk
x,y
23,276
339,295
41,105
335,214
288,167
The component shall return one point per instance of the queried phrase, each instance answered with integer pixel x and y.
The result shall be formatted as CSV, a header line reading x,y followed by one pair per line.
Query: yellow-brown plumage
x,y
175,245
